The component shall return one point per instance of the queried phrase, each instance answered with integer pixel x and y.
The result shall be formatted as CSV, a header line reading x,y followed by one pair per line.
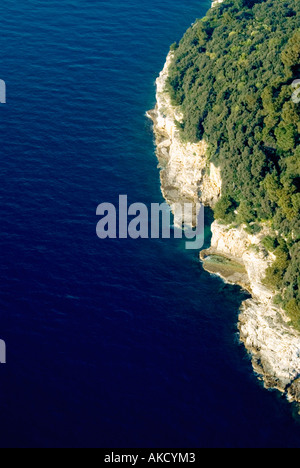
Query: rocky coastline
x,y
239,258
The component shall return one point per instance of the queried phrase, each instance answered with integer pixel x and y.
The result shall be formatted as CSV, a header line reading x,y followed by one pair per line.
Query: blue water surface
x,y
116,343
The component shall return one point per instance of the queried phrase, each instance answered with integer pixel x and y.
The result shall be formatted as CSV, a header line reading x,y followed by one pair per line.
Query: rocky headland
x,y
239,258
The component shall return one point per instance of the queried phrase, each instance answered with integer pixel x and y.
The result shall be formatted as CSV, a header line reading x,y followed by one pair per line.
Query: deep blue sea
x,y
115,343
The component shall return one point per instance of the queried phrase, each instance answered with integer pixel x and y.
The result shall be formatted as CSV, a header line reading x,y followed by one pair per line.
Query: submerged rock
x,y
230,270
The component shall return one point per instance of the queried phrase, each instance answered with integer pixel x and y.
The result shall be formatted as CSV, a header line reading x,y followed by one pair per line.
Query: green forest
x,y
234,76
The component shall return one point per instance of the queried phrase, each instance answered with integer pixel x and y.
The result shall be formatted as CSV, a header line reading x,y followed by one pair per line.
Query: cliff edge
x,y
187,176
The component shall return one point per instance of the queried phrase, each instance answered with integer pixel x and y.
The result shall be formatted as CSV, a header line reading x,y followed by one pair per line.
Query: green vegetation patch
x,y
232,76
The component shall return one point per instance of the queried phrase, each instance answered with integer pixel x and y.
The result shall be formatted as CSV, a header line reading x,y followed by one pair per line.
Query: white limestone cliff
x,y
264,328
186,175
184,169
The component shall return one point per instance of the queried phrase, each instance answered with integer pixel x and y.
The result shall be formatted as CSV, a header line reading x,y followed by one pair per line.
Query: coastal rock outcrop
x,y
216,2
273,344
187,176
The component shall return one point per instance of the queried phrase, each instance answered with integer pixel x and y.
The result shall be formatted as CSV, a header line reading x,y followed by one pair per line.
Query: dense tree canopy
x,y
233,75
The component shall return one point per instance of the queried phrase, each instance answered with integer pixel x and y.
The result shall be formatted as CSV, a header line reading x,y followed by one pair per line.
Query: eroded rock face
x,y
237,244
274,346
264,328
186,176
216,3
